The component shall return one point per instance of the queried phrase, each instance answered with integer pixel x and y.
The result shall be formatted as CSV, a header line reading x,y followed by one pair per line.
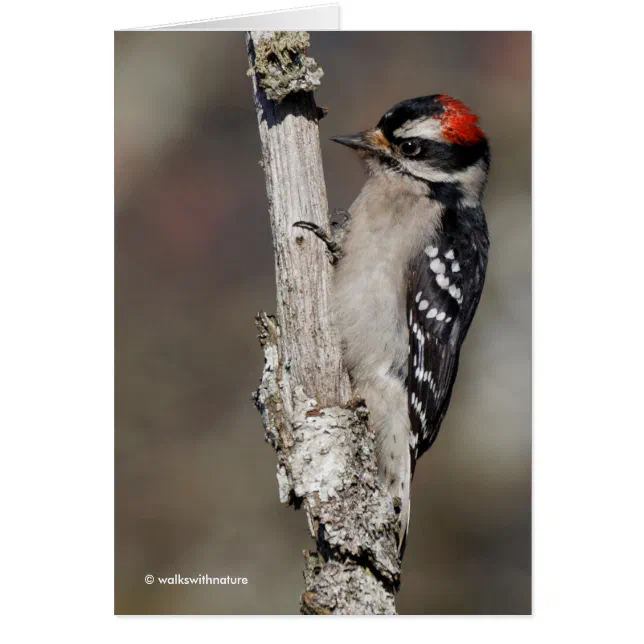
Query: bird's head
x,y
434,139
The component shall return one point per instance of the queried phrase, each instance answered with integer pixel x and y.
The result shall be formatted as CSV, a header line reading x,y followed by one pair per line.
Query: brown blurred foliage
x,y
195,483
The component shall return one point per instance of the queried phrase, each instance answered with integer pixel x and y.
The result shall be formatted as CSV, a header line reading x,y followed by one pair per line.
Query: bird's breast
x,y
386,231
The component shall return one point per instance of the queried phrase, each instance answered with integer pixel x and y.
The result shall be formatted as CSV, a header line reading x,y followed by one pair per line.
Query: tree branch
x,y
325,448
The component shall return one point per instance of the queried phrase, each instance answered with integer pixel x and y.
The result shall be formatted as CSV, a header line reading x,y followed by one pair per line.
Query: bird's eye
x,y
409,148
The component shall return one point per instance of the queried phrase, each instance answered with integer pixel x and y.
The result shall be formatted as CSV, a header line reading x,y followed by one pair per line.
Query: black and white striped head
x,y
434,139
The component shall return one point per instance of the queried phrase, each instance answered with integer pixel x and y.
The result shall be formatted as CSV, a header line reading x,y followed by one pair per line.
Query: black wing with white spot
x,y
444,289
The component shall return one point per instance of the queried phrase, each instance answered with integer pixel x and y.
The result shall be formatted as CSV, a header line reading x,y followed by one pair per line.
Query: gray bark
x,y
325,448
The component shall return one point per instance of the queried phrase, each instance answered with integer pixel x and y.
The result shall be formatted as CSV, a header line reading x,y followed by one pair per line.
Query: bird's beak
x,y
373,141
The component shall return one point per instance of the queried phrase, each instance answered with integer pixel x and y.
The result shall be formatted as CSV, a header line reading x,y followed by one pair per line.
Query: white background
x,y
57,353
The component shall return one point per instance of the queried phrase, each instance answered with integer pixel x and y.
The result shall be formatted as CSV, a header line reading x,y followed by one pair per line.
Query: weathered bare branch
x,y
326,451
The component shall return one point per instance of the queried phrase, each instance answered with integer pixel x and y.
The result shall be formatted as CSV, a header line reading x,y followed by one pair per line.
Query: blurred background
x,y
196,491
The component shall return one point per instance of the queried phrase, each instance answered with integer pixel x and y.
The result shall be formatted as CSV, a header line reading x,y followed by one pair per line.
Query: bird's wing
x,y
444,288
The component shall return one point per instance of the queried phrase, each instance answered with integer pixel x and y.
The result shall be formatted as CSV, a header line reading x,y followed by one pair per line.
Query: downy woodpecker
x,y
414,257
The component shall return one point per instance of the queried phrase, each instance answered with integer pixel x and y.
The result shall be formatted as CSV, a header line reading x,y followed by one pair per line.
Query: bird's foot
x,y
332,241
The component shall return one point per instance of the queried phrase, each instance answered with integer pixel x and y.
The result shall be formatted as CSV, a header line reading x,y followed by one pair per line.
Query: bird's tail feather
x,y
398,484
405,511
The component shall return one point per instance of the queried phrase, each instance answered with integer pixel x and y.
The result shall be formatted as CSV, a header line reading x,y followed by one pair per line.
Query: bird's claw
x,y
332,245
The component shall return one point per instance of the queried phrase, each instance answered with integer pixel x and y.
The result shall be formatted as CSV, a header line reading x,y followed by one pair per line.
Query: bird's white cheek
x,y
424,170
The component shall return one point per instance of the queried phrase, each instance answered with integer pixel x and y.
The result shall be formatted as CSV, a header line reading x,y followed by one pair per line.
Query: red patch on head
x,y
458,123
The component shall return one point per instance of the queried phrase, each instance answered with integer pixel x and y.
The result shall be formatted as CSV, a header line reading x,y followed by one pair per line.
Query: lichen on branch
x,y
281,63
327,464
